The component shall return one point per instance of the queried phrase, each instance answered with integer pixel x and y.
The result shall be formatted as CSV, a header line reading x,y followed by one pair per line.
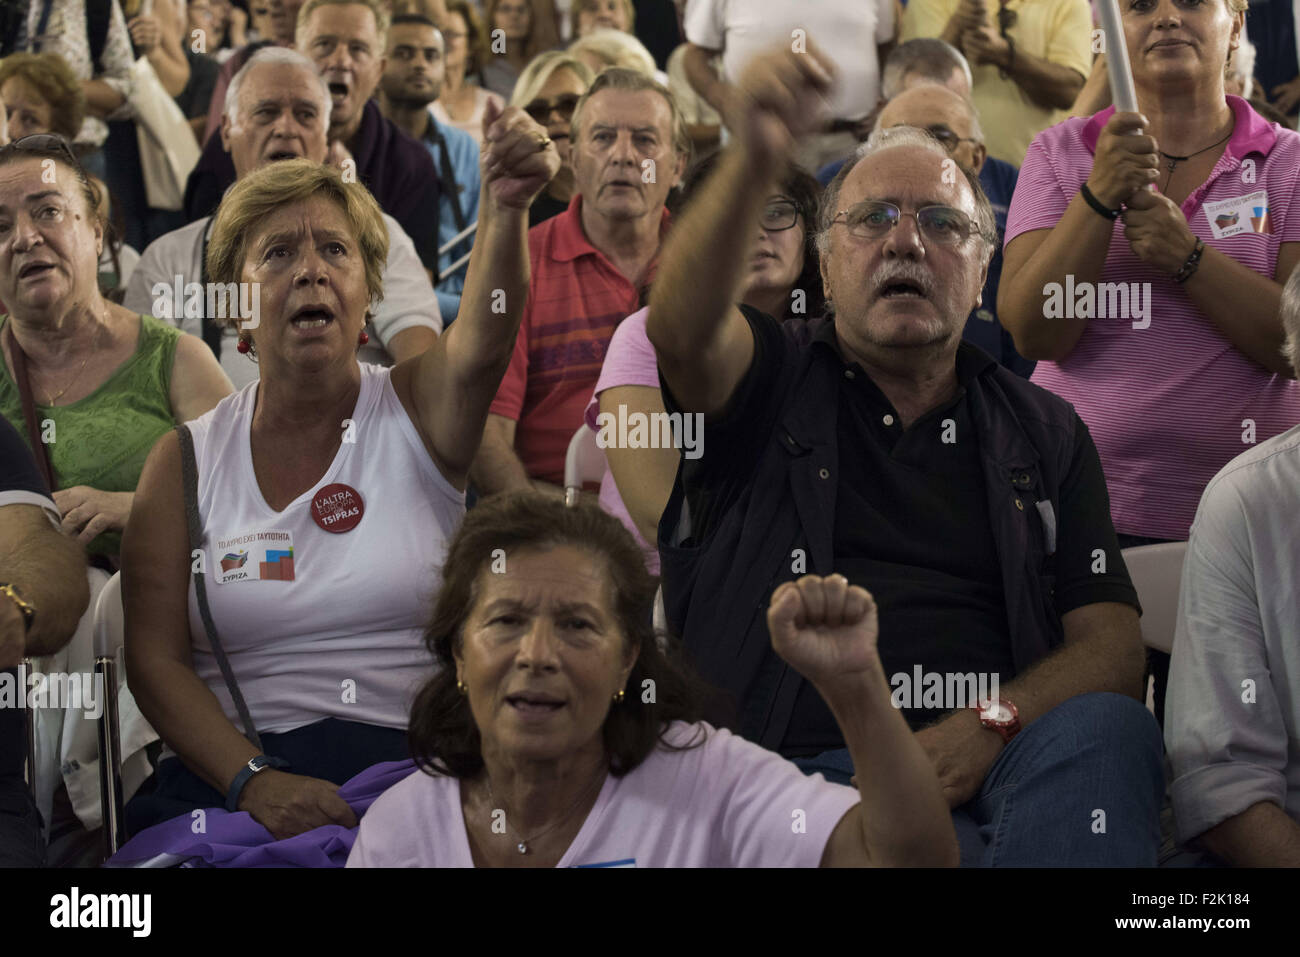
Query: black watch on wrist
x,y
28,611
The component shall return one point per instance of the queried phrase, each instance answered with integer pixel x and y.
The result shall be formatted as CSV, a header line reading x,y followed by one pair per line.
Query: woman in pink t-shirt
x,y
784,281
1155,311
556,732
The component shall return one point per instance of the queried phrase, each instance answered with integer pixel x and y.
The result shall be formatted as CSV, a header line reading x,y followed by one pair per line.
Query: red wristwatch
x,y
1001,716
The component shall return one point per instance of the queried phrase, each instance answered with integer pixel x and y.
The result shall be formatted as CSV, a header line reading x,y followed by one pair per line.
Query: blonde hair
x,y
616,48
541,68
284,183
374,6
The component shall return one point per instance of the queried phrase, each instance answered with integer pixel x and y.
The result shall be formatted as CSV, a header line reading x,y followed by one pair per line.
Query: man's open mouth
x,y
339,91
283,155
901,289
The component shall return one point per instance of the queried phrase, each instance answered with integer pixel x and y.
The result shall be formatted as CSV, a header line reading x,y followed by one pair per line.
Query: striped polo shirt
x,y
576,297
1171,404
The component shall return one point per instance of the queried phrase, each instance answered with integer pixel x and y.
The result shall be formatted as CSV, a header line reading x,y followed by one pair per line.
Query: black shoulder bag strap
x,y
98,15
190,479
447,183
46,7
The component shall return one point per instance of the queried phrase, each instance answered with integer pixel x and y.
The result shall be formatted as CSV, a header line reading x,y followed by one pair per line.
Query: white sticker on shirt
x,y
255,556
1241,214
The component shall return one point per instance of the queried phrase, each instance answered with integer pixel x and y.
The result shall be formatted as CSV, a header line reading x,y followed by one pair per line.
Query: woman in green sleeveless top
x,y
105,383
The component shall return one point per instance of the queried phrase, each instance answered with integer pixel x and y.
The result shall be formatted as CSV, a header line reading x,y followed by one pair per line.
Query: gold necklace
x,y
55,398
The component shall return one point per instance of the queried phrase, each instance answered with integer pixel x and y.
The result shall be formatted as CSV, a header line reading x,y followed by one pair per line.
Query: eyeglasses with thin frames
x,y
875,219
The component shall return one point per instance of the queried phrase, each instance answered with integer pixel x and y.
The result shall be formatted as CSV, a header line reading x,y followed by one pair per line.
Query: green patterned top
x,y
103,439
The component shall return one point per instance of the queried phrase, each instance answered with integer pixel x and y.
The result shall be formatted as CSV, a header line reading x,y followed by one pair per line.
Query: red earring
x,y
244,346
363,338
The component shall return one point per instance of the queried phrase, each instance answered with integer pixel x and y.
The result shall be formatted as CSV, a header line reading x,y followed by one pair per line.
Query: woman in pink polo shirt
x,y
1155,311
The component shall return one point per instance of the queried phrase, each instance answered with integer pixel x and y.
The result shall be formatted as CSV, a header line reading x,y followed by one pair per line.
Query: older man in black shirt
x,y
43,593
879,446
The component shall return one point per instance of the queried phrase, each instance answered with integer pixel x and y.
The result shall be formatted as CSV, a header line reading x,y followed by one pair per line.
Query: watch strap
x,y
255,764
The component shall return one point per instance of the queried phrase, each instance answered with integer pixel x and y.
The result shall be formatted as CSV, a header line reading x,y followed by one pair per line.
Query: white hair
x,y
1290,310
928,56
283,56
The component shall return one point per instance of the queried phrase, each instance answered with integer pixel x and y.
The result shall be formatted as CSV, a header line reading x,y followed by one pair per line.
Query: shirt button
x,y
888,420
848,373
824,473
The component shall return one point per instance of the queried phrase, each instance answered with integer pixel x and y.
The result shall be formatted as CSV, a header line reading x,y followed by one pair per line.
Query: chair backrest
x,y
1157,571
109,624
583,463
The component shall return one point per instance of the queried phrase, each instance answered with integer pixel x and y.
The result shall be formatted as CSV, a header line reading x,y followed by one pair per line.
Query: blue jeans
x,y
1080,787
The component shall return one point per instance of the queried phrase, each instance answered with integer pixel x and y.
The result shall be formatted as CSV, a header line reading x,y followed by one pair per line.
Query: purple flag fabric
x,y
236,840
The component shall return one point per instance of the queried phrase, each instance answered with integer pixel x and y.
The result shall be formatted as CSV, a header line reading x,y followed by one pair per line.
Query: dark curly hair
x,y
443,736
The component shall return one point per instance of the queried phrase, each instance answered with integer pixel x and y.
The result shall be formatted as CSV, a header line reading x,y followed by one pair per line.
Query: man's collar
x,y
1251,133
972,361
569,240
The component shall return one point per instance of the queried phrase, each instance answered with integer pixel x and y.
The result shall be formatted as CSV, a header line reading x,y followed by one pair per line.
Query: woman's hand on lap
x,y
88,512
289,804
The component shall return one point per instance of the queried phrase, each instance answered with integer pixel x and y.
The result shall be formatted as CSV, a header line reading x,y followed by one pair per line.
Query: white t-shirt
x,y
318,624
408,300
847,31
726,803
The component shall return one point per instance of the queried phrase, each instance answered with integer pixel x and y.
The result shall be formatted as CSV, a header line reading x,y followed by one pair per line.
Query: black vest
x,y
716,592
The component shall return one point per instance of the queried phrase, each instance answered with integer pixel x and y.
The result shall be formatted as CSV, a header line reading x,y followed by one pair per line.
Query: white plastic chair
x,y
583,463
1157,572
110,630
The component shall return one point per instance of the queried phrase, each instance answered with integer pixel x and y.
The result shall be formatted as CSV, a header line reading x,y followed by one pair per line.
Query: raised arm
x,y
702,342
452,385
827,630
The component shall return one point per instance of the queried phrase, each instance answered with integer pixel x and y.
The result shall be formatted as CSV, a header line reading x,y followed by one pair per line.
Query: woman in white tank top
x,y
327,492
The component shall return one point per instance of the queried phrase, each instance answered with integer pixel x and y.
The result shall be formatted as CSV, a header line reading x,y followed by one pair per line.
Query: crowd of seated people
x,y
893,336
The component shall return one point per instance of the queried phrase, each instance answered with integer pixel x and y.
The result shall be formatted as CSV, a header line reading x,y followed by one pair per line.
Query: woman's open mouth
x,y
312,317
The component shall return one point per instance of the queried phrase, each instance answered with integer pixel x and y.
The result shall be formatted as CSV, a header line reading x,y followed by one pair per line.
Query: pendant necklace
x,y
1175,160
522,846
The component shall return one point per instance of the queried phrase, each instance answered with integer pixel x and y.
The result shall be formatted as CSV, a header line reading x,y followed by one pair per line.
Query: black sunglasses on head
x,y
45,143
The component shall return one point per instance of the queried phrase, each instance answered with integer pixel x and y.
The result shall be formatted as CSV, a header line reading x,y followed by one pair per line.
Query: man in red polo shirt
x,y
589,265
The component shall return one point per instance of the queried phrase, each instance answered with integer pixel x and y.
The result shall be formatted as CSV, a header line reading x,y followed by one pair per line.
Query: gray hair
x,y
898,136
285,56
1291,319
929,56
